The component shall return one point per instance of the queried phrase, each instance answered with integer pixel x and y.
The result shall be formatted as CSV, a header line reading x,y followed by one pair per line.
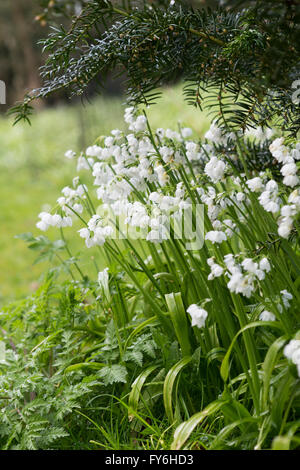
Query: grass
x,y
33,167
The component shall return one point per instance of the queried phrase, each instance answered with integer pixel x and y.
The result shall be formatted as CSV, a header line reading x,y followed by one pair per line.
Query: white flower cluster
x,y
217,135
269,191
216,269
95,233
136,124
196,154
284,298
287,157
70,202
269,197
123,168
243,275
214,202
259,133
47,220
288,213
149,181
292,352
174,135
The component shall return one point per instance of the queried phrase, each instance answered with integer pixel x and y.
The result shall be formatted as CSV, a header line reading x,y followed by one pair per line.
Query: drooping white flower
x,y
291,347
216,236
260,134
136,123
180,190
285,226
140,123
166,153
186,132
109,141
272,186
70,154
289,168
174,135
292,352
289,171
192,151
215,134
240,197
93,222
249,265
291,180
84,164
230,226
84,233
265,265
279,150
129,115
94,151
287,213
269,198
42,225
198,315
229,261
216,269
160,132
267,316
286,296
296,152
294,198
116,133
215,169
163,177
255,184
288,210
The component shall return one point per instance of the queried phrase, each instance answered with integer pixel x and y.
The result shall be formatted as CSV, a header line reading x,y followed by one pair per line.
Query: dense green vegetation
x,y
139,354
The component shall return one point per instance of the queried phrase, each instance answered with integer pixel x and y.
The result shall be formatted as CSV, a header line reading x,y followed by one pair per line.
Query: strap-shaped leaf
x,y
169,384
186,428
225,362
136,388
268,367
179,320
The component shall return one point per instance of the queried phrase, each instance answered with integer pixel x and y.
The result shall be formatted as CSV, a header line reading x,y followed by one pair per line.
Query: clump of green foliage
x,y
53,387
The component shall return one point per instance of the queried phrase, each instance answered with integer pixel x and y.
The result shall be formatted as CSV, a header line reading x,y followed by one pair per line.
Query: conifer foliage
x,y
243,56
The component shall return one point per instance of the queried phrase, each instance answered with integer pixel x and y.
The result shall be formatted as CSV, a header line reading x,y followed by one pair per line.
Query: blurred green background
x,y
33,170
